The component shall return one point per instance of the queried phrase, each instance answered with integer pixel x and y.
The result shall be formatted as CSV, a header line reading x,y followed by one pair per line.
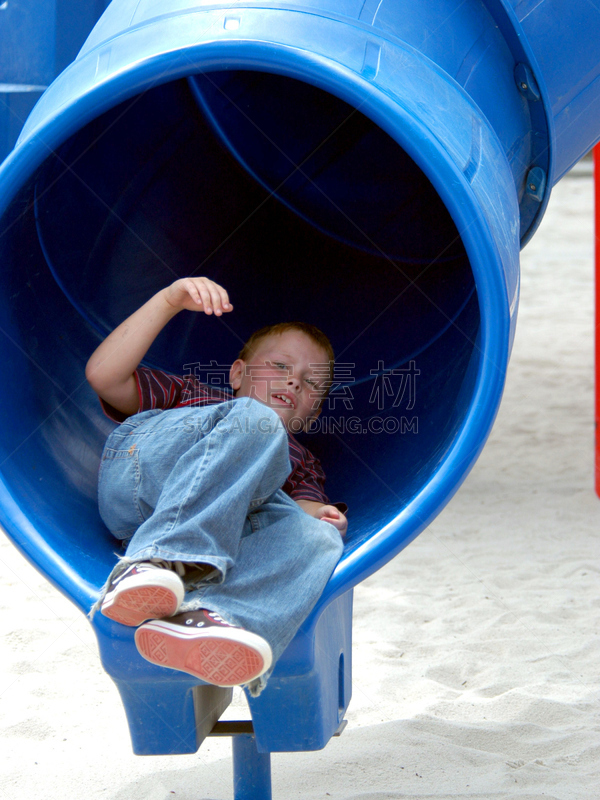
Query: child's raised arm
x,y
111,366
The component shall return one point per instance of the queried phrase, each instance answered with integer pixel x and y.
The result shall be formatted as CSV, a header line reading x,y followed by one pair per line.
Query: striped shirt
x,y
158,389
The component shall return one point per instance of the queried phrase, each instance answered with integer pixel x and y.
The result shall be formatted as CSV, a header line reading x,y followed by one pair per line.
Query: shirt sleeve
x,y
307,479
156,389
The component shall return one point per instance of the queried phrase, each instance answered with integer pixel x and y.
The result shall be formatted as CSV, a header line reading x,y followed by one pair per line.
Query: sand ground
x,y
476,652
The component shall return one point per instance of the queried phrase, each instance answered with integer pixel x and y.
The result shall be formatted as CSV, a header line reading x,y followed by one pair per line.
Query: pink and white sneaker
x,y
143,591
202,644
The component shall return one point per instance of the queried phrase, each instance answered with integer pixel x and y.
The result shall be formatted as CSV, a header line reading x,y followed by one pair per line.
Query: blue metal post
x,y
39,40
251,770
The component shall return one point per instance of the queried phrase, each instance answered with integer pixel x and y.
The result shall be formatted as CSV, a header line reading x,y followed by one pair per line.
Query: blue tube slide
x,y
371,167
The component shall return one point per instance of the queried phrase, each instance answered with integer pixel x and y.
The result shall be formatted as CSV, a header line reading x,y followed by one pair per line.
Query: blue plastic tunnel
x,y
371,167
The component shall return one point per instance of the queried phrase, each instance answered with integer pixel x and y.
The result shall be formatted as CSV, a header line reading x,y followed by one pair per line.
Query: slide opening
x,y
302,208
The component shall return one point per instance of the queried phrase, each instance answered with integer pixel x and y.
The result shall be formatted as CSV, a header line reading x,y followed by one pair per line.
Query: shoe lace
x,y
217,617
176,566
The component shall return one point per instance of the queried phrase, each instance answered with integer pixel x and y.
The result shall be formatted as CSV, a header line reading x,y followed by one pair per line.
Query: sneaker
x,y
143,591
204,645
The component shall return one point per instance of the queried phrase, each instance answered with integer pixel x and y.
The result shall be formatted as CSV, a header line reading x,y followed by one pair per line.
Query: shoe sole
x,y
133,605
228,657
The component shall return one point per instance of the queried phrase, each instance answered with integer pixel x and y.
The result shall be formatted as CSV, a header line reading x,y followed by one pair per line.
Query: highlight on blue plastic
x,y
369,167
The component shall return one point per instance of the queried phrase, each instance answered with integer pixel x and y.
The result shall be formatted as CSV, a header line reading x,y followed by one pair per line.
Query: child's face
x,y
287,372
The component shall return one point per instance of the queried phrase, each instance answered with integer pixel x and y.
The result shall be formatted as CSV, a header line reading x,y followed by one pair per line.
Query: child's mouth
x,y
284,399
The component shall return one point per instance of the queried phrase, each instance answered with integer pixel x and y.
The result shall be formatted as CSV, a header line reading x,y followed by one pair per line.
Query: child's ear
x,y
236,373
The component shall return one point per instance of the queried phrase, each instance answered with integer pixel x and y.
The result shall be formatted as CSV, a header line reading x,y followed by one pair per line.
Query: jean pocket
x,y
118,487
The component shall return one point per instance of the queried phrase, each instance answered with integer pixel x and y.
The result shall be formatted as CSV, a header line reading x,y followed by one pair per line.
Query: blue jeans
x,y
202,485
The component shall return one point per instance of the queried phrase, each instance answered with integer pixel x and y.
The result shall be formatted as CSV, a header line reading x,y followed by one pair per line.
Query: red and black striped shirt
x,y
158,389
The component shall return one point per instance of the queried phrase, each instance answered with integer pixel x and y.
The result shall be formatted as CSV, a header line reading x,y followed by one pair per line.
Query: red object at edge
x,y
597,317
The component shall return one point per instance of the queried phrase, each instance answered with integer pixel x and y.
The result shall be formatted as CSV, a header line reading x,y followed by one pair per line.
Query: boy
x,y
222,565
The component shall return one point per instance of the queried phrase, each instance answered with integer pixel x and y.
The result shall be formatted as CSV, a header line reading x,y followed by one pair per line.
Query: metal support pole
x,y
251,770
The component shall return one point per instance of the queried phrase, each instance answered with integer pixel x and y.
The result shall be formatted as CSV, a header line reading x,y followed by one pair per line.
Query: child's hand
x,y
335,517
198,294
